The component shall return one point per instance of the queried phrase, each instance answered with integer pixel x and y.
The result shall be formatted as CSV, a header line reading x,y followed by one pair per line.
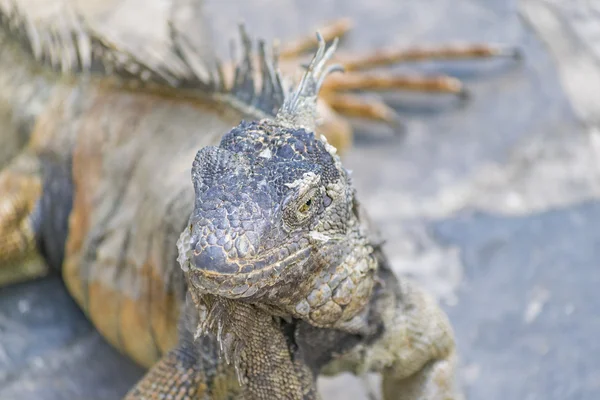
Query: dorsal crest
x,y
70,44
300,106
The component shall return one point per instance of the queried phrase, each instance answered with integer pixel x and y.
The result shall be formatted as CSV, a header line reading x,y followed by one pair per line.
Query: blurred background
x,y
492,204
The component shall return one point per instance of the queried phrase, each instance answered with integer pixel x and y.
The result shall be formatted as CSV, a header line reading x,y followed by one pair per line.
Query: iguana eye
x,y
306,205
301,210
305,208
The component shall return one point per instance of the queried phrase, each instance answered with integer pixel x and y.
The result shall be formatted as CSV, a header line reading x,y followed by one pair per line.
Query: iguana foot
x,y
20,189
416,354
337,104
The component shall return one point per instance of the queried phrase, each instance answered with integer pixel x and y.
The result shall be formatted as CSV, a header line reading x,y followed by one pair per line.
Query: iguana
x,y
102,193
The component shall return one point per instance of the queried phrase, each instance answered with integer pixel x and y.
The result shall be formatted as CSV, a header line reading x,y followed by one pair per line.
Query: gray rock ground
x,y
491,204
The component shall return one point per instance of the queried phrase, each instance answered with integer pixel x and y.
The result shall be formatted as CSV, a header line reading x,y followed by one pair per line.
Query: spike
x,y
300,106
237,352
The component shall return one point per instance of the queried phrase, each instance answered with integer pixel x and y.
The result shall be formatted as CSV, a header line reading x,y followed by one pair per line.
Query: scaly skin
x,y
101,192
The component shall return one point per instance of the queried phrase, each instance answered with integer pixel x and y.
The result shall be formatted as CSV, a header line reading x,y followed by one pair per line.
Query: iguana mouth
x,y
212,272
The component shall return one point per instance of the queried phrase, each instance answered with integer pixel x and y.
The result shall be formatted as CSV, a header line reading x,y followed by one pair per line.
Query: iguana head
x,y
275,219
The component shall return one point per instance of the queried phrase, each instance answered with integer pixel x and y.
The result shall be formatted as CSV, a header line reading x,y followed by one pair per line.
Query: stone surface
x,y
491,204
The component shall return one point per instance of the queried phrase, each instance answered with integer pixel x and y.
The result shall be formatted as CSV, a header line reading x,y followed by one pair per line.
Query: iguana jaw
x,y
265,274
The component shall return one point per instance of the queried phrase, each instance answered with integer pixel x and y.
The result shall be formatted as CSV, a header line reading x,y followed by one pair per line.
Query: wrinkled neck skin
x,y
337,293
333,287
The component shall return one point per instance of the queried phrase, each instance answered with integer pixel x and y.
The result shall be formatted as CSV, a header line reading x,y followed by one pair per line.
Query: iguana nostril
x,y
213,258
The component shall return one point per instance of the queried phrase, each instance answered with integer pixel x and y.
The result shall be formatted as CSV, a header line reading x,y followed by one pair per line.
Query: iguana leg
x,y
416,353
20,189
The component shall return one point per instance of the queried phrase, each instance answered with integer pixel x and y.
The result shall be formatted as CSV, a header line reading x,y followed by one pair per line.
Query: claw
x,y
464,94
514,52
